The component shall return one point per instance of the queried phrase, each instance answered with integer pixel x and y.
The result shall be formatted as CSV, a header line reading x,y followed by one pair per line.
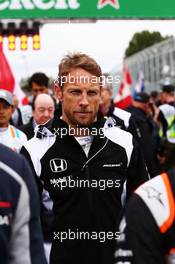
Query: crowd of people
x,y
93,183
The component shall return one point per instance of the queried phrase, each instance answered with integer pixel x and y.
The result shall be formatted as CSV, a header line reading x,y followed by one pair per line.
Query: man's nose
x,y
47,113
84,100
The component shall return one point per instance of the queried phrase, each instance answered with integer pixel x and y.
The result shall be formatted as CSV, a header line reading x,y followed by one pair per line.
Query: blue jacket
x,y
20,231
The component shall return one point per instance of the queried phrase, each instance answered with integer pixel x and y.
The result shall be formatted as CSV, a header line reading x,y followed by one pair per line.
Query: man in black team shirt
x,y
147,225
83,165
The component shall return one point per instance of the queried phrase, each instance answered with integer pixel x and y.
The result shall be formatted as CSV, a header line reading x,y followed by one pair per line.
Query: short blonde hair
x,y
78,60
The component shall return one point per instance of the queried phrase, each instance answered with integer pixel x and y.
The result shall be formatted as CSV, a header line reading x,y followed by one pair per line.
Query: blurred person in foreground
x,y
20,231
148,223
43,107
79,148
9,135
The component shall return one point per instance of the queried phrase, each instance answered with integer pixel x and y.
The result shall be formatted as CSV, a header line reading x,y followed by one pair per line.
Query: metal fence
x,y
157,64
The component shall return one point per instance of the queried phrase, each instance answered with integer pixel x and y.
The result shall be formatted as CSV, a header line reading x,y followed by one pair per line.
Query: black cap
x,y
168,88
141,97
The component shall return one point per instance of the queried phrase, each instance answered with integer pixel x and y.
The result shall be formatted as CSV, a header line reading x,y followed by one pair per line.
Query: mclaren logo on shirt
x,y
112,165
58,165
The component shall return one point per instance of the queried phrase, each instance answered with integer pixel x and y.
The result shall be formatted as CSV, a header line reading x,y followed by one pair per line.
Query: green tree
x,y
25,86
143,40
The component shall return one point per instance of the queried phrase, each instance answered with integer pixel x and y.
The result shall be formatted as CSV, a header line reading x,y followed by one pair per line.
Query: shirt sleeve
x,y
35,232
26,154
137,172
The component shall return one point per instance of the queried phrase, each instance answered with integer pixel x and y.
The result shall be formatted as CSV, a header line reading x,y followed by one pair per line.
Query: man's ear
x,y
110,92
58,92
101,101
13,109
100,96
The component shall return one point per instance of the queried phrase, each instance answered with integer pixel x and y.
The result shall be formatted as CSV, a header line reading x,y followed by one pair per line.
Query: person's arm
x,y
46,213
27,242
134,129
140,240
26,154
20,230
137,172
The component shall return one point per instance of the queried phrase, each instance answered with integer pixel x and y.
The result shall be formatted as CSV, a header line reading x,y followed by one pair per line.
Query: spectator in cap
x,y
140,109
9,135
141,97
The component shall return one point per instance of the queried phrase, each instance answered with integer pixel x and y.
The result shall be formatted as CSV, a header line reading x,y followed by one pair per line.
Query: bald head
x,y
43,108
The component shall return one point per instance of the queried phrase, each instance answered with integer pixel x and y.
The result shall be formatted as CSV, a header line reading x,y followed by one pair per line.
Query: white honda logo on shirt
x,y
58,165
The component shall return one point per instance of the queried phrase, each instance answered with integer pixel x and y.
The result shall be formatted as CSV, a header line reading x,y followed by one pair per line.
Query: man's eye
x,y
6,106
75,92
41,110
92,93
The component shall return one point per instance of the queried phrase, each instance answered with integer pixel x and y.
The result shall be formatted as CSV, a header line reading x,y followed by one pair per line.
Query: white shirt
x,y
85,143
12,137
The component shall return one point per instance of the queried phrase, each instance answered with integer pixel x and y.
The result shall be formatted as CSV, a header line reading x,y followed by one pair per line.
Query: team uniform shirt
x,y
12,137
85,181
85,143
147,228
